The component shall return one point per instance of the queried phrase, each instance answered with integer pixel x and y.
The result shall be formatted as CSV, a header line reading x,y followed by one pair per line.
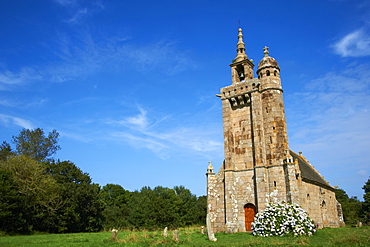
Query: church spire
x,y
242,67
241,55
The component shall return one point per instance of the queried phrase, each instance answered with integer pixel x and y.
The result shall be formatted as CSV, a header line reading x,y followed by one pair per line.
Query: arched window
x,y
275,72
267,72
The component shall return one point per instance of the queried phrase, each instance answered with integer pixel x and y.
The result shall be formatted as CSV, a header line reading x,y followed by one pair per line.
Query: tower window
x,y
267,72
241,72
275,72
274,185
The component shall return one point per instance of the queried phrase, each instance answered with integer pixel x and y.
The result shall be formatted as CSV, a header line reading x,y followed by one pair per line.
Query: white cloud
x,y
355,44
9,79
165,139
77,57
329,122
6,119
78,15
80,9
139,121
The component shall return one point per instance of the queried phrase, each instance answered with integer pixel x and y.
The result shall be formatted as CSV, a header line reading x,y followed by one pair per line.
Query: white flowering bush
x,y
282,218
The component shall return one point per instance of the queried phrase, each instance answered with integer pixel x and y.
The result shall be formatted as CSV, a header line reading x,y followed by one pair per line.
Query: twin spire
x,y
241,55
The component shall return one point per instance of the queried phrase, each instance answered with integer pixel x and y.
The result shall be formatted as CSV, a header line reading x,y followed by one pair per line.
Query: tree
x,y
12,212
35,190
34,143
201,212
187,207
116,211
366,204
351,207
5,151
80,208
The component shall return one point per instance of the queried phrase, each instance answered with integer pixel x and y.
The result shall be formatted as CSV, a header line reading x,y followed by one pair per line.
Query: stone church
x,y
259,167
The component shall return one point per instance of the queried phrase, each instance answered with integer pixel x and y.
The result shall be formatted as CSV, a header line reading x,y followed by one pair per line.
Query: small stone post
x,y
165,232
202,229
114,234
211,235
176,235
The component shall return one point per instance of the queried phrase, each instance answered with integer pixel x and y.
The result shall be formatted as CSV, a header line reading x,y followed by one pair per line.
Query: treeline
x,y
354,210
38,193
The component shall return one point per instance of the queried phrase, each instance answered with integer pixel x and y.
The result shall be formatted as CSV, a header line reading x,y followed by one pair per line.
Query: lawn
x,y
345,236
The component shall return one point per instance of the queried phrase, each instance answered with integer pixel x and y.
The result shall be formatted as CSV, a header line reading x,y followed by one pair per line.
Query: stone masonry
x,y
259,167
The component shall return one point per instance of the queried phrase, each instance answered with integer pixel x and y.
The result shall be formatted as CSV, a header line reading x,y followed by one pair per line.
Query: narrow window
x,y
274,185
274,72
270,139
268,73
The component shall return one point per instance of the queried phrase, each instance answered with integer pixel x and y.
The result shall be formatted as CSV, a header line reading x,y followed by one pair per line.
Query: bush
x,y
282,218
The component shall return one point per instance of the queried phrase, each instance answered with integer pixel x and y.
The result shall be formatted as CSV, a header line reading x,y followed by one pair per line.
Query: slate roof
x,y
309,173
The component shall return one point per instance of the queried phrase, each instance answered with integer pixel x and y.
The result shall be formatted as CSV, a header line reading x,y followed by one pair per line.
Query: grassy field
x,y
191,237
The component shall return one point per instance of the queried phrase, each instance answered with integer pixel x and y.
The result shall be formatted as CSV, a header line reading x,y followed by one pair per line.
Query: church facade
x,y
259,167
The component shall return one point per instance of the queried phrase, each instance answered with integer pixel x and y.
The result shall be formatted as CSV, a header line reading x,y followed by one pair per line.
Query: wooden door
x,y
249,213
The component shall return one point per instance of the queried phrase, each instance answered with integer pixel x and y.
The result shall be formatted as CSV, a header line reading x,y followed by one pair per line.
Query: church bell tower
x,y
255,141
259,168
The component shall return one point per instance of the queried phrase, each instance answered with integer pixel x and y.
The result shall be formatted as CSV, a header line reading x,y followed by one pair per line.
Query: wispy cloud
x,y
329,122
10,80
354,44
164,139
77,57
6,120
78,15
79,10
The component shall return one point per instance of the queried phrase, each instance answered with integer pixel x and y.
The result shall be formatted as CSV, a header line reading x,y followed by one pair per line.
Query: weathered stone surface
x,y
176,235
259,168
114,234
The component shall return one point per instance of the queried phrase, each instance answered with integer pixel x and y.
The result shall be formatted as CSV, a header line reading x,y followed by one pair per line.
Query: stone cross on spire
x,y
266,51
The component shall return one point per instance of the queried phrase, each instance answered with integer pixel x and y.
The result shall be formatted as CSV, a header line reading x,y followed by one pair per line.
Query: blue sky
x,y
131,85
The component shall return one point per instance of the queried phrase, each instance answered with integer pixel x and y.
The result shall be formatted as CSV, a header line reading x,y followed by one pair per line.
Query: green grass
x,y
345,236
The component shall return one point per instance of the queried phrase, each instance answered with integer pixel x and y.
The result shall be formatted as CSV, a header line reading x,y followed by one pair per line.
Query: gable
x,y
309,173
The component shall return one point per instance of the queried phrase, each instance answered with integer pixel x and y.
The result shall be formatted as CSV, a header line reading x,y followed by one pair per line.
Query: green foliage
x,y
116,212
351,207
161,207
344,236
5,151
34,143
79,203
11,210
365,211
38,194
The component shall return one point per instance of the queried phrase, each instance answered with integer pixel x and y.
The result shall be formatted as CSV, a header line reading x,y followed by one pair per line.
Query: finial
x,y
266,51
240,47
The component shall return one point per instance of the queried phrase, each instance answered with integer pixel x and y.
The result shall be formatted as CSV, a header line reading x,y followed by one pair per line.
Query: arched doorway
x,y
249,213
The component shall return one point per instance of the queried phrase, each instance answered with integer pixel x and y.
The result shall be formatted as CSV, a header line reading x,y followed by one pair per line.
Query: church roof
x,y
309,173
